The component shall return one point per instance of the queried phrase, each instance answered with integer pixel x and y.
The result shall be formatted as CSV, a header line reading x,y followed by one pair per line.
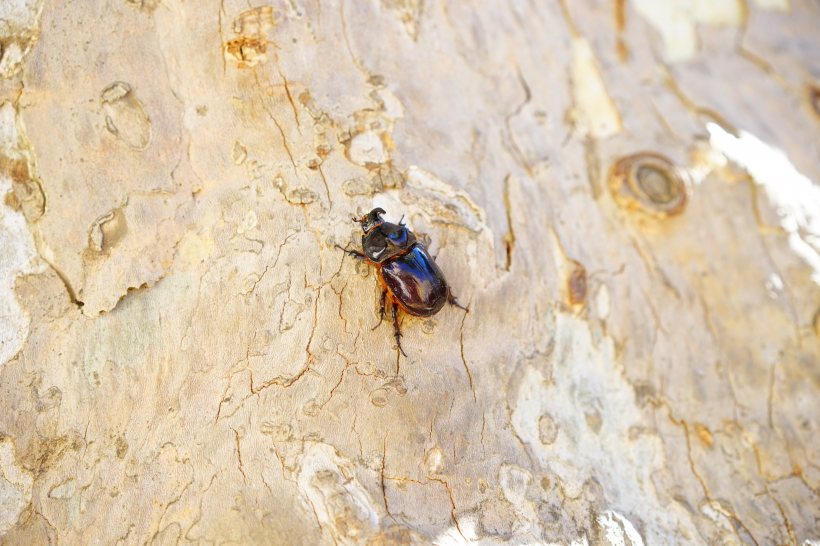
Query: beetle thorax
x,y
386,240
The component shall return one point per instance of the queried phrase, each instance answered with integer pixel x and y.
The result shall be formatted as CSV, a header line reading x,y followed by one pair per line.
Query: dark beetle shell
x,y
416,282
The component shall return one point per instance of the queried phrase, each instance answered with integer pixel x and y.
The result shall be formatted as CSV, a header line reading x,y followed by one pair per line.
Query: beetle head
x,y
371,219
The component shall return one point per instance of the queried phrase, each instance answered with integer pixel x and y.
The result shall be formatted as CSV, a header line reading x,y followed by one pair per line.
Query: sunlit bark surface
x,y
623,193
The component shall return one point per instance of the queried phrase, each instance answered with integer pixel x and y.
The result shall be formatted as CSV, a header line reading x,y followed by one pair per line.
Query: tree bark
x,y
187,358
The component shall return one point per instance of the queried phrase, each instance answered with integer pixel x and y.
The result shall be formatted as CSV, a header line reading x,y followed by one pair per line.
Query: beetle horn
x,y
372,219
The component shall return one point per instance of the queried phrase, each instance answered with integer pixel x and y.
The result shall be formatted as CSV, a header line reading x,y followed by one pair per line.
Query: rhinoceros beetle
x,y
406,271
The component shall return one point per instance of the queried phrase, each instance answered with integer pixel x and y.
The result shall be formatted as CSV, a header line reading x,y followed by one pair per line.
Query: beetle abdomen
x,y
416,282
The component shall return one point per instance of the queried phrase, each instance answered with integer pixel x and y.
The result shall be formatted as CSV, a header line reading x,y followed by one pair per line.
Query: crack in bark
x,y
732,390
755,59
509,237
72,295
315,323
222,36
297,488
284,383
665,122
199,516
707,317
517,153
34,175
772,380
524,445
271,266
278,458
573,30
173,501
341,377
464,360
222,399
483,426
313,229
53,528
384,494
122,538
256,282
655,317
239,456
327,188
278,126
620,25
692,460
786,521
339,294
364,72
453,503
359,436
316,515
398,479
287,92
262,476
730,514
690,105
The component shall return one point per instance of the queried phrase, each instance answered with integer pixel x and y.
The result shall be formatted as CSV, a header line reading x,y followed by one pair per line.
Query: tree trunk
x,y
187,358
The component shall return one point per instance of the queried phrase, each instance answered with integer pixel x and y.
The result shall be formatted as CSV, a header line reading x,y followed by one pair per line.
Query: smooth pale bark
x,y
186,357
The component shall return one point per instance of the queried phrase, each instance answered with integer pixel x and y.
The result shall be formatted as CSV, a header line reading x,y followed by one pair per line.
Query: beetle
x,y
407,272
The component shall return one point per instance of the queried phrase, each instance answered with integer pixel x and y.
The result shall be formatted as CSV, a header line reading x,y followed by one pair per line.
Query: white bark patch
x,y
18,255
467,212
391,106
15,487
467,536
795,198
514,481
617,528
587,375
368,148
433,462
676,21
17,17
11,60
68,492
249,222
598,113
340,502
602,302
723,525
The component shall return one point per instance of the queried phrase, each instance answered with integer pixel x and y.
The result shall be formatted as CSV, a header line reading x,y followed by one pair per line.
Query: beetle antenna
x,y
400,219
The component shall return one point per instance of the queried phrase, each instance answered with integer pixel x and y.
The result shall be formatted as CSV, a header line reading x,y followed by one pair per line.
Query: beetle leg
x,y
381,311
452,299
353,253
396,327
